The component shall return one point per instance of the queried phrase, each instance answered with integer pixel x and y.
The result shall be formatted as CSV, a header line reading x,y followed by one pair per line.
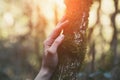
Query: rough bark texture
x,y
72,51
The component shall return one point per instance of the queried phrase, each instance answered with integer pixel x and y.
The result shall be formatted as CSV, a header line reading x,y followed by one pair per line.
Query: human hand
x,y
50,56
51,44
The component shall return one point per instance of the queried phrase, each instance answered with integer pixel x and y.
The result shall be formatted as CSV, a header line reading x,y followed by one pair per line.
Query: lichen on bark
x,y
71,52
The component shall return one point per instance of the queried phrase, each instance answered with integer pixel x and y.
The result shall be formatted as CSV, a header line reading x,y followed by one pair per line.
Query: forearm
x,y
44,74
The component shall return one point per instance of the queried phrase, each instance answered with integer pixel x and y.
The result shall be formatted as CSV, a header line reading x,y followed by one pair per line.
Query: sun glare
x,y
49,12
60,8
60,3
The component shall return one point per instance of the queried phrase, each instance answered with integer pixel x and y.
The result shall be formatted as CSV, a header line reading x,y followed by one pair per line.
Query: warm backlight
x,y
60,3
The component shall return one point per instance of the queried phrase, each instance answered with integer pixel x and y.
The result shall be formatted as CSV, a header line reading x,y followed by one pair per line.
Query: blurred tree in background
x,y
24,24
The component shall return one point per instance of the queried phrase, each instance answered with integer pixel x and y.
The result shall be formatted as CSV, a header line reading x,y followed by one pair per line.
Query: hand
x,y
50,56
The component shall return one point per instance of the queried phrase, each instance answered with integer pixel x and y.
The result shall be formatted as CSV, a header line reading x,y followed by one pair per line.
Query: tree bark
x,y
71,52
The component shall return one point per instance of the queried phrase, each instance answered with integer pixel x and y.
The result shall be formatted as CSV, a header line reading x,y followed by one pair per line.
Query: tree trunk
x,y
114,37
72,51
93,58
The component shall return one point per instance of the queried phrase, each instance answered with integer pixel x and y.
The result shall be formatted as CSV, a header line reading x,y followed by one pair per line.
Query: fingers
x,y
55,33
56,43
58,29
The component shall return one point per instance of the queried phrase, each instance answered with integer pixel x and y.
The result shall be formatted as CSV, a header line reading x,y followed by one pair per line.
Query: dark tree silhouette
x,y
115,32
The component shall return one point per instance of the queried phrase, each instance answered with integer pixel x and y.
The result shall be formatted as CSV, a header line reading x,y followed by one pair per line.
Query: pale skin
x,y
50,56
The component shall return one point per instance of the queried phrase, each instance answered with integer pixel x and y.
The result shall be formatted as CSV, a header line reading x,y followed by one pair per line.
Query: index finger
x,y
58,29
56,32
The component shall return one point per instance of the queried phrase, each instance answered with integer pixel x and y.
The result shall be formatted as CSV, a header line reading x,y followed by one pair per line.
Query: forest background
x,y
24,24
